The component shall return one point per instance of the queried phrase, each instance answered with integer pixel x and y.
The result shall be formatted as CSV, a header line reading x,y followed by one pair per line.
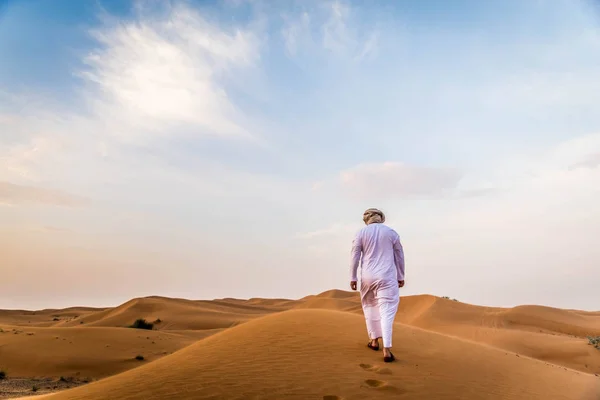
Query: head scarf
x,y
373,216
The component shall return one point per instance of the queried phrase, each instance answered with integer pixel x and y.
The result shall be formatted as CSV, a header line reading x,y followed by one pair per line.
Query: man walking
x,y
382,274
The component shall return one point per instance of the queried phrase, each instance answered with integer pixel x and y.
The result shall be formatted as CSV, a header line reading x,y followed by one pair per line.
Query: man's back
x,y
382,254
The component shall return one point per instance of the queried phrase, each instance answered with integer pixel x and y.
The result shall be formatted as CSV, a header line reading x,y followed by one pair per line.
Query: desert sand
x,y
312,348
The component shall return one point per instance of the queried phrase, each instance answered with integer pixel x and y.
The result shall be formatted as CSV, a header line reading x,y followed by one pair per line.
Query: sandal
x,y
376,348
390,358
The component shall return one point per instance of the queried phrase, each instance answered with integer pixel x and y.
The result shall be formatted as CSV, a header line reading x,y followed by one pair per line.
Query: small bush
x,y
594,341
56,319
158,321
2,375
446,297
142,324
139,358
35,388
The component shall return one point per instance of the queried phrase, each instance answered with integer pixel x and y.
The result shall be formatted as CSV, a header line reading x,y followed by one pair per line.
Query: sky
x,y
204,149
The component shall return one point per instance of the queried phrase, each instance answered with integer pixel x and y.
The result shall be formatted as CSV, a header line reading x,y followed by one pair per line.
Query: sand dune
x,y
50,317
436,312
177,314
320,354
308,348
540,332
553,320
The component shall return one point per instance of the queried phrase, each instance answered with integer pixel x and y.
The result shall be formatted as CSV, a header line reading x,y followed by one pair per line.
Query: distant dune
x,y
312,348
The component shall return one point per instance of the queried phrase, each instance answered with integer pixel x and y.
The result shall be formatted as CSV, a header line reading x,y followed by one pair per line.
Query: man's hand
x,y
353,285
400,283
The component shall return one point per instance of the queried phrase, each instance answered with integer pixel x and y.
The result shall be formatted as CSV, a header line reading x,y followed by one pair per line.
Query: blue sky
x,y
143,140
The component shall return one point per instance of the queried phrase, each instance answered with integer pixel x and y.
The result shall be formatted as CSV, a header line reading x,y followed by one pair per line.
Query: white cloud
x,y
317,186
591,161
149,80
161,75
535,89
370,46
12,194
332,230
332,28
395,179
295,31
336,37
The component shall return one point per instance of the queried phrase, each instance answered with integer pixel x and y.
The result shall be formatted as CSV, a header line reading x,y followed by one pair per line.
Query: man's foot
x,y
388,356
374,344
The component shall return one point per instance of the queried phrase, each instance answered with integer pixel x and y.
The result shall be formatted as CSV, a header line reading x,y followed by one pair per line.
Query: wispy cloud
x,y
398,180
591,161
160,76
336,37
164,74
369,46
331,28
294,32
332,230
12,194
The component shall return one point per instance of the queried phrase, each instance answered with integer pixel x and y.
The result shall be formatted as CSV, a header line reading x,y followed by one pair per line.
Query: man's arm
x,y
355,257
399,258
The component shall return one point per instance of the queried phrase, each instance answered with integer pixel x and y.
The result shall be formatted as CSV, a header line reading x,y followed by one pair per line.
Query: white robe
x,y
382,266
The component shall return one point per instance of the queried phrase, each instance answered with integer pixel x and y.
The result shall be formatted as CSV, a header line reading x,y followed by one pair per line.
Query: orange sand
x,y
313,348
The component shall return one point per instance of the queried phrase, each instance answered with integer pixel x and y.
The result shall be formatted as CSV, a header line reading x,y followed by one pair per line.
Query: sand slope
x,y
320,354
83,352
548,334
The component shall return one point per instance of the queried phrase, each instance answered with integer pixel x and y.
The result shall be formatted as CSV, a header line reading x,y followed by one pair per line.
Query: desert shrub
x,y
56,319
158,321
35,388
594,341
142,324
448,298
139,358
2,375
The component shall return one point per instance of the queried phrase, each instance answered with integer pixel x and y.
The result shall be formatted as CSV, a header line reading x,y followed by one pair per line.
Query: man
x,y
382,274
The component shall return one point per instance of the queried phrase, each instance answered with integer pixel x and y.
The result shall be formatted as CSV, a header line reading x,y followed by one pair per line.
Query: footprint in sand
x,y
375,383
376,369
382,385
